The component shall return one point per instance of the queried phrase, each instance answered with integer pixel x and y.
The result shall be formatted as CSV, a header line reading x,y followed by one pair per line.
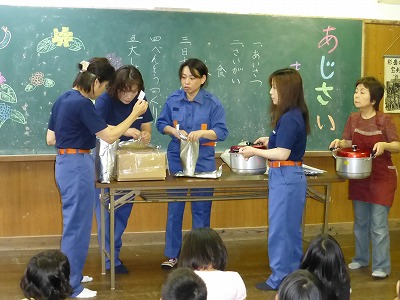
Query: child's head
x,y
324,258
300,285
203,248
184,284
324,255
47,276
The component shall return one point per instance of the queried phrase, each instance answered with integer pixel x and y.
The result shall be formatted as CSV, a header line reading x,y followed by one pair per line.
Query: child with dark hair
x,y
47,277
324,258
301,285
184,284
204,251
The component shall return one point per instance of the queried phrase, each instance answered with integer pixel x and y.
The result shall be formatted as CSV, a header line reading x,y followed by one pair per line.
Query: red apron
x,y
380,187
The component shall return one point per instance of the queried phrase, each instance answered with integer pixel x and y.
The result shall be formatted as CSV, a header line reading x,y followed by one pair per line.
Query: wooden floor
x,y
144,281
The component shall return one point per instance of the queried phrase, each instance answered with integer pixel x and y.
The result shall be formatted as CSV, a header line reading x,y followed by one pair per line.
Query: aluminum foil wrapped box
x,y
140,164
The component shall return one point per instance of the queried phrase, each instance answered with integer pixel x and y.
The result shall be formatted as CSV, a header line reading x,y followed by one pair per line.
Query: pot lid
x,y
353,152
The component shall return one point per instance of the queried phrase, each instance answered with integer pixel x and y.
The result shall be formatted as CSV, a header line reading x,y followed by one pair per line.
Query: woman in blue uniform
x,y
200,117
287,183
73,127
114,106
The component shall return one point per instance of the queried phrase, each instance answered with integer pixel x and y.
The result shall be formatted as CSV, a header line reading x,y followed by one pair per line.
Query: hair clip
x,y
85,65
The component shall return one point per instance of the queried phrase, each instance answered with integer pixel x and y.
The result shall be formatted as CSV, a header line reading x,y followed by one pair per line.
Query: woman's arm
x,y
111,134
271,154
50,137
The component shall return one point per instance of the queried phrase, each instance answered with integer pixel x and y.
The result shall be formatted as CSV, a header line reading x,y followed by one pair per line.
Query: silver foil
x,y
212,175
104,157
189,155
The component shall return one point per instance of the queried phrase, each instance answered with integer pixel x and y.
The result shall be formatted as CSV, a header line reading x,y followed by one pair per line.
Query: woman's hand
x,y
247,152
133,132
195,135
145,137
140,107
262,140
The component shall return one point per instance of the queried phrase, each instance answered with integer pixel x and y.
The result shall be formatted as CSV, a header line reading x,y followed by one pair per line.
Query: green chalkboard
x,y
40,48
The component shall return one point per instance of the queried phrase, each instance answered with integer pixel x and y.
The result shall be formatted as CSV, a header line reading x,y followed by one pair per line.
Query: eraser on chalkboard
x,y
141,95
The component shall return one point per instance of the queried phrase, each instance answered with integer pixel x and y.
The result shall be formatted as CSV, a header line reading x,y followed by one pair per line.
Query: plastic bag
x,y
189,155
105,160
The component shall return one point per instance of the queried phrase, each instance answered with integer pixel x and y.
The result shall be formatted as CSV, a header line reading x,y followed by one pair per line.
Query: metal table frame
x,y
229,186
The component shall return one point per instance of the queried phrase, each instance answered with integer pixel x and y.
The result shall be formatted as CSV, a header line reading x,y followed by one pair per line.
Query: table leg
x,y
102,230
326,205
112,241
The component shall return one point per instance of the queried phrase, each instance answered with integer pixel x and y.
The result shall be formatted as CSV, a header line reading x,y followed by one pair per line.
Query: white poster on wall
x,y
392,82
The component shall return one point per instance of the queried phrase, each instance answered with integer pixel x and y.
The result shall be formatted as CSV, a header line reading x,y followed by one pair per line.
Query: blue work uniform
x,y
113,112
75,122
286,198
204,112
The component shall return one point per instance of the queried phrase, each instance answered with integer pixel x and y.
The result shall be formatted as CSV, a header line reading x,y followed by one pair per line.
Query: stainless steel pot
x,y
353,163
255,165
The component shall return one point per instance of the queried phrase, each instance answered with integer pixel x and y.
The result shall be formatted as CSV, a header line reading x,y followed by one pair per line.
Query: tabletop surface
x,y
228,179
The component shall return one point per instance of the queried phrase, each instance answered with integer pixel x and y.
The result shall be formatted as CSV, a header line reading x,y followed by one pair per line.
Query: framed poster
x,y
392,82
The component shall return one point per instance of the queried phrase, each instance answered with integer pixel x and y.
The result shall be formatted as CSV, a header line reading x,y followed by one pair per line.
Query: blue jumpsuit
x,y
113,112
205,112
75,123
287,195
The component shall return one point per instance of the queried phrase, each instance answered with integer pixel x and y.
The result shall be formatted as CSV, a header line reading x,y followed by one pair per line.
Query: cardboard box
x,y
140,164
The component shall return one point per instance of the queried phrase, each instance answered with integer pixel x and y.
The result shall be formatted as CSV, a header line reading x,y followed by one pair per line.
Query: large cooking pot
x,y
255,165
353,163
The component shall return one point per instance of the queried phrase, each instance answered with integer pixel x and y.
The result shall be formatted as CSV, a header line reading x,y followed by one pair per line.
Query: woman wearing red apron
x,y
373,196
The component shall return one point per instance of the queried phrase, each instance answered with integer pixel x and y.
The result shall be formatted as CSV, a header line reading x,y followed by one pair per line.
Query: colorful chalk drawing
x,y
6,39
63,38
38,79
8,95
115,61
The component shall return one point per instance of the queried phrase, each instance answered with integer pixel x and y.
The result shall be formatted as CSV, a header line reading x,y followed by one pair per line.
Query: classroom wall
x,y
353,9
30,199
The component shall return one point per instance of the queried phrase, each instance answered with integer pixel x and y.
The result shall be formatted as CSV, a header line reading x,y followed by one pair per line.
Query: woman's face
x,y
191,84
126,97
99,88
274,93
362,97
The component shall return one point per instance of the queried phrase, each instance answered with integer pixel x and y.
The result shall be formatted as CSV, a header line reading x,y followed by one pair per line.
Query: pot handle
x,y
334,149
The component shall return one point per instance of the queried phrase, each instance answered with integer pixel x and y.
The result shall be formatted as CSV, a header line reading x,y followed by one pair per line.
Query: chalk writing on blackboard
x,y
63,38
38,79
6,39
255,59
155,79
326,40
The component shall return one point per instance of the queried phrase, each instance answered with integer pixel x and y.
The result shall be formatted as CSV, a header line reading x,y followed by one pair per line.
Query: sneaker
x,y
354,265
86,279
379,274
170,263
86,293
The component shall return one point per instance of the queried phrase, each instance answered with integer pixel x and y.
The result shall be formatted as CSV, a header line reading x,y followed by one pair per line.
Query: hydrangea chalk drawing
x,y
63,38
38,79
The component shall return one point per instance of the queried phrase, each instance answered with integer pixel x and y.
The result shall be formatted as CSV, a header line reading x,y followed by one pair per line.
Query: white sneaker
x,y
379,274
86,279
354,265
86,293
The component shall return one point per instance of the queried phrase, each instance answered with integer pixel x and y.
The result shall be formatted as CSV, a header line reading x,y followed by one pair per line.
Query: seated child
x,y
301,285
204,251
47,277
324,258
184,284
